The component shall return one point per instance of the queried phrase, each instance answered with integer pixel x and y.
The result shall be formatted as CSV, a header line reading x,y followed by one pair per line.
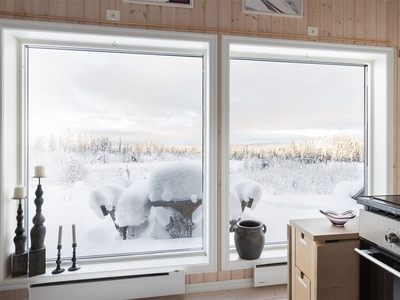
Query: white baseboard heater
x,y
270,274
124,287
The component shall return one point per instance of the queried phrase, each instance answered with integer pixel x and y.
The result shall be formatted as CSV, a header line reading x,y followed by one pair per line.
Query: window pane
x,y
296,140
120,135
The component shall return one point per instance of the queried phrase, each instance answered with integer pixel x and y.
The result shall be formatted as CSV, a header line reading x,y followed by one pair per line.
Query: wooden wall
x,y
372,22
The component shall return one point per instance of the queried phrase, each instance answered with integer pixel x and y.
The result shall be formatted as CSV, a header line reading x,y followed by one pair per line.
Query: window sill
x,y
270,255
108,269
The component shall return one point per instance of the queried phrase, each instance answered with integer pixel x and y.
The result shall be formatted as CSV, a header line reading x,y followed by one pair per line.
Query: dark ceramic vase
x,y
249,238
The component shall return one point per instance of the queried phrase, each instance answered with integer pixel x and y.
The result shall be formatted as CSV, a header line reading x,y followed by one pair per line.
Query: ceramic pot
x,y
249,238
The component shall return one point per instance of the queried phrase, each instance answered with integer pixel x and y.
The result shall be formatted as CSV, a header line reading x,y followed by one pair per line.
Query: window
x,y
39,99
120,134
296,140
297,115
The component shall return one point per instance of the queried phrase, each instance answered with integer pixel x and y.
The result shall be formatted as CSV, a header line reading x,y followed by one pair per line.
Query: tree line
x,y
340,148
102,150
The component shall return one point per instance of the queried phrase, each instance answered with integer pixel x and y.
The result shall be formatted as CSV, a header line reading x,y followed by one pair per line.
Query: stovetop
x,y
384,204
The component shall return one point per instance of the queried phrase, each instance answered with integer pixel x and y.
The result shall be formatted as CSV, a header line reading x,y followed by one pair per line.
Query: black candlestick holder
x,y
74,266
20,237
20,257
38,231
37,252
58,269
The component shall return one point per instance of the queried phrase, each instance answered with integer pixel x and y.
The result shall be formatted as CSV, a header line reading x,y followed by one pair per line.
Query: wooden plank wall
x,y
339,21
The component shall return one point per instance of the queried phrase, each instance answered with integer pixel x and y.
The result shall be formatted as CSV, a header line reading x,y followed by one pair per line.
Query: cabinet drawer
x,y
302,286
338,270
304,253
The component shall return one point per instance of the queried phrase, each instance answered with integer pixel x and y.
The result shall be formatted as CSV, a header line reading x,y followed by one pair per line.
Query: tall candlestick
x,y
19,192
20,257
73,234
59,235
40,172
37,252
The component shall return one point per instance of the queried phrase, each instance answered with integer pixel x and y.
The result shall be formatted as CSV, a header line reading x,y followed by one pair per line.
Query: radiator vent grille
x,y
116,288
270,274
270,265
108,279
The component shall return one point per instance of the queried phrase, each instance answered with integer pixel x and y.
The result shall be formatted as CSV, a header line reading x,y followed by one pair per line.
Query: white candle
x,y
59,235
40,171
73,234
19,192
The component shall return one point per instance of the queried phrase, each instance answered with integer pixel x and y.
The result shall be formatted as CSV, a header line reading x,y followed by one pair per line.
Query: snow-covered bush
x,y
133,208
129,204
242,193
247,190
235,206
175,181
104,195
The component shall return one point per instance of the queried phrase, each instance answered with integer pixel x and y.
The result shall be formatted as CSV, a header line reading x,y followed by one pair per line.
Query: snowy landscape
x,y
120,138
78,184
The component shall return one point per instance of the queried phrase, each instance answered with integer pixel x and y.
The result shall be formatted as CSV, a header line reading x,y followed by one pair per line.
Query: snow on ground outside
x,y
98,236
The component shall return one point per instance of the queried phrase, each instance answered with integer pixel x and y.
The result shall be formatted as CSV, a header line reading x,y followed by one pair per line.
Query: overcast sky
x,y
148,97
278,102
138,97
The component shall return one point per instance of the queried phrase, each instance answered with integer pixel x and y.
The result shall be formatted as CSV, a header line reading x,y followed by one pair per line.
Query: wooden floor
x,y
277,292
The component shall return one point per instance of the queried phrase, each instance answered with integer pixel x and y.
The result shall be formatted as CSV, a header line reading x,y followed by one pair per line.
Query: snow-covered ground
x,y
97,235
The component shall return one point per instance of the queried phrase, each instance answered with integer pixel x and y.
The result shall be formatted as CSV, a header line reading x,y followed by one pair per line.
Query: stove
x,y
380,221
379,251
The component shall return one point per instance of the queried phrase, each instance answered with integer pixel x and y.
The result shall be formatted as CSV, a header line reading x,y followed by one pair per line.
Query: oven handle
x,y
366,254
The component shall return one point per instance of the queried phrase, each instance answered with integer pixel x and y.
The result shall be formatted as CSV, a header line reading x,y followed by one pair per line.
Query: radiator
x,y
270,274
124,287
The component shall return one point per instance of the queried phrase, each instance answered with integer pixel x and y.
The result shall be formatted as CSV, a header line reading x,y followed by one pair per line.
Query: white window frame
x,y
13,35
380,93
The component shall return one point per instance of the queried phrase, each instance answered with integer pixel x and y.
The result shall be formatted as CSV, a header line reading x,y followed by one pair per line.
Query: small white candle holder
x,y
58,269
74,266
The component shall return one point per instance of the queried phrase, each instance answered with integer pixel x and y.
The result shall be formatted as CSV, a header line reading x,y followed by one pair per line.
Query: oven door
x,y
379,273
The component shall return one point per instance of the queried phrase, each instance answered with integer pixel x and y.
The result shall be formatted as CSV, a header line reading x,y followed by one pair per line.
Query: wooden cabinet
x,y
322,262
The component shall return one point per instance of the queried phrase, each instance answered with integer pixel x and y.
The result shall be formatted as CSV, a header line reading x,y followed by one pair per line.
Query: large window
x,y
124,123
120,134
296,140
307,128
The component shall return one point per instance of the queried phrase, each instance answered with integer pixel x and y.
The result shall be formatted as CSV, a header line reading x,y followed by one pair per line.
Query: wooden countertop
x,y
321,229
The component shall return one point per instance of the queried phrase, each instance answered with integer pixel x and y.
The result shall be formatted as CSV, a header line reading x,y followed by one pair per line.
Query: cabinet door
x,y
304,257
337,270
302,286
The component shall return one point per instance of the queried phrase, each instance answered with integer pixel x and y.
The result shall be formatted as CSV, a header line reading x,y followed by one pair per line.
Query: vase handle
x,y
264,228
235,229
